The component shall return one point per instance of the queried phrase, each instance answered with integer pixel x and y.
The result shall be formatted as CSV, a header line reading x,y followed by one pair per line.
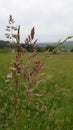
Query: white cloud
x,y
52,18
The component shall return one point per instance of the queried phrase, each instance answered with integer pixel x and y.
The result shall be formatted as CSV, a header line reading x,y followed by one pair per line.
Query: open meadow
x,y
55,108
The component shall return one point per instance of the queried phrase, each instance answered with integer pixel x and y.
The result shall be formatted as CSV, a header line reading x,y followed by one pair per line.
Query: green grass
x,y
57,90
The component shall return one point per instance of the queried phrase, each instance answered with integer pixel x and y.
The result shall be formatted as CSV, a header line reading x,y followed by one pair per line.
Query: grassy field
x,y
57,90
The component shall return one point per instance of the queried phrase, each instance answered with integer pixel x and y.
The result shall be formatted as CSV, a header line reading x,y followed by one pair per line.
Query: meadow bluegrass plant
x,y
21,95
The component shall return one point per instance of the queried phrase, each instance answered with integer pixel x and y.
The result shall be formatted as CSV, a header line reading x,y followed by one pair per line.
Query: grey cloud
x,y
52,19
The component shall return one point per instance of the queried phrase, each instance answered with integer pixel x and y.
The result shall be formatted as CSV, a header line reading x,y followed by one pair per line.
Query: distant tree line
x,y
4,44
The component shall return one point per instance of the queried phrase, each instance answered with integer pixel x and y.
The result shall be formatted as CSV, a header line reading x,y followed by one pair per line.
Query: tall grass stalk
x,y
22,80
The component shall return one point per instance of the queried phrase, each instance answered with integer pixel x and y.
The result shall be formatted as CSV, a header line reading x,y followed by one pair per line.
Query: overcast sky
x,y
52,19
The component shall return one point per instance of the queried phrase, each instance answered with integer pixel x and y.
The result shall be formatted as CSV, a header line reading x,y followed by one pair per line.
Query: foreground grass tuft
x,y
57,90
